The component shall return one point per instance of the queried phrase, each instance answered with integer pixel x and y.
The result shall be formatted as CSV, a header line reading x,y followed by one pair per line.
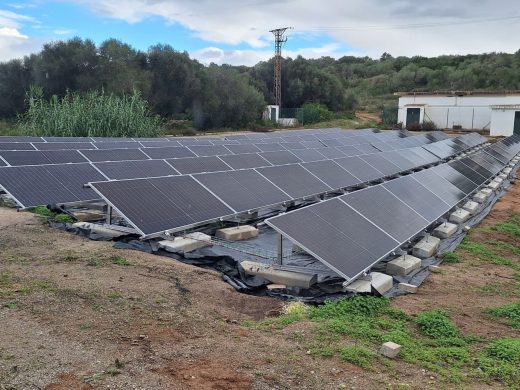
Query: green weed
x,y
500,361
359,356
437,324
511,312
119,260
450,257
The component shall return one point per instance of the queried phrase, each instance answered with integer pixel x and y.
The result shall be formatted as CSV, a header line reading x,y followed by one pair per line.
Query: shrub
x,y
414,127
91,114
429,126
315,112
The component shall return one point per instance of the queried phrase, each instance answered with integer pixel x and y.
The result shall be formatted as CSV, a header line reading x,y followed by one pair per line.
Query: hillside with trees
x,y
180,88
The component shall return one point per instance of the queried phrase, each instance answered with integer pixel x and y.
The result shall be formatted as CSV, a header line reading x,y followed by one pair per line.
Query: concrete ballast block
x,y
188,243
412,289
99,229
287,278
390,349
359,286
498,180
382,283
493,186
502,176
237,233
445,230
507,171
403,265
471,207
426,247
487,191
459,216
480,197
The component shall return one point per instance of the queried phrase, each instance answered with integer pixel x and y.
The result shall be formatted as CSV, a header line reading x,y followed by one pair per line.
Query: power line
x,y
410,26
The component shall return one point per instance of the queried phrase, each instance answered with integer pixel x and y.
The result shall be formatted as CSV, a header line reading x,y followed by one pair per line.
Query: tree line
x,y
179,87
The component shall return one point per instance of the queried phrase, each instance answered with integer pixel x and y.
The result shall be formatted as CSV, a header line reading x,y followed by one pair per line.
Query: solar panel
x,y
270,147
63,145
419,198
47,184
332,174
159,144
241,149
110,139
331,153
481,168
366,148
456,178
36,157
360,169
349,150
332,142
198,164
15,146
168,152
160,204
468,172
293,145
397,158
336,235
499,156
312,144
118,145
295,180
119,170
280,158
383,146
243,190
114,155
213,150
308,155
439,186
387,212
381,164
64,139
194,142
2,163
244,161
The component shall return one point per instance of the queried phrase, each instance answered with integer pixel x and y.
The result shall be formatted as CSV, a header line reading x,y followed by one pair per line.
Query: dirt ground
x,y
72,316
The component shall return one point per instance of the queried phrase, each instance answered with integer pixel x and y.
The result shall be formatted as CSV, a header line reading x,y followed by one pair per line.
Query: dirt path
x,y
73,316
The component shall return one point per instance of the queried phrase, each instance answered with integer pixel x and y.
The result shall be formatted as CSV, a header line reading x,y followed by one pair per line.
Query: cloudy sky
x,y
237,31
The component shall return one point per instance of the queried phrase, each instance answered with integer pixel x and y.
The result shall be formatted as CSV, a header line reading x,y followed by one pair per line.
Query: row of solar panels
x,y
284,136
155,205
353,232
62,183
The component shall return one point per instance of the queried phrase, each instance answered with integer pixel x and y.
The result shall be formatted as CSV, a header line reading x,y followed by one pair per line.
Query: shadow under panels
x,y
47,184
159,204
37,157
243,190
119,170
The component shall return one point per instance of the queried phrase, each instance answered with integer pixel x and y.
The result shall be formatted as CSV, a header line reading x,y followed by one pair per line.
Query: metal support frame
x,y
279,40
280,249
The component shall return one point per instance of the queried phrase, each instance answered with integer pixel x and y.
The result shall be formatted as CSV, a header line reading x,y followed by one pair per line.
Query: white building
x,y
498,112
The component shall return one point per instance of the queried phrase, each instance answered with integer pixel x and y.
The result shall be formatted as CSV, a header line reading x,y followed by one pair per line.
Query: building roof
x,y
458,93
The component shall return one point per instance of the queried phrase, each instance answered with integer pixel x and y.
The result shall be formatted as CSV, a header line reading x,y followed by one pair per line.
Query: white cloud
x,y
63,31
234,22
13,43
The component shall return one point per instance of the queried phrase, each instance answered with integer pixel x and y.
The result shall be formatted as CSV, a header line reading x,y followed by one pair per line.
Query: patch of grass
x,y
500,360
484,253
119,260
357,306
510,311
450,258
511,226
43,211
359,356
437,324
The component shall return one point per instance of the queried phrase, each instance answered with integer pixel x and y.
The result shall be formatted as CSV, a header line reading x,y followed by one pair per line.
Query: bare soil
x,y
72,319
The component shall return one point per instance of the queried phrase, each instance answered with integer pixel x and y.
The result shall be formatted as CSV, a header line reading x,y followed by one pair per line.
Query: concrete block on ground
x,y
480,197
188,243
445,230
382,283
498,180
502,176
402,265
277,276
273,286
470,206
426,247
390,349
99,229
493,186
412,289
507,171
360,286
435,269
487,191
459,216
237,233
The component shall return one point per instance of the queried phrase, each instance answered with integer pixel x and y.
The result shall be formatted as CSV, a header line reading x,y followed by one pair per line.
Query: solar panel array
x,y
353,232
253,189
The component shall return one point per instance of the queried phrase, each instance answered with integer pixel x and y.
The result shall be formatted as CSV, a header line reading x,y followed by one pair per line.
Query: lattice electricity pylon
x,y
279,40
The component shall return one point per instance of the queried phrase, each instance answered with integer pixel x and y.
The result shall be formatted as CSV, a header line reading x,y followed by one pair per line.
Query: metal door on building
x,y
516,129
413,116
